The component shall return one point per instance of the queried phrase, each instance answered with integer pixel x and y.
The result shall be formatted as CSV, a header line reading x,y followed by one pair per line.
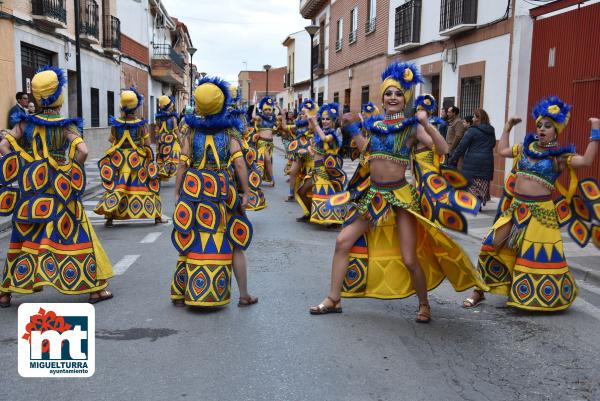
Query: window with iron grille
x,y
407,28
336,97
95,107
353,25
364,94
371,16
470,95
457,12
110,105
339,38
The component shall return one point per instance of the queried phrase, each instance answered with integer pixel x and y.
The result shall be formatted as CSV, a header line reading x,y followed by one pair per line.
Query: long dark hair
x,y
484,118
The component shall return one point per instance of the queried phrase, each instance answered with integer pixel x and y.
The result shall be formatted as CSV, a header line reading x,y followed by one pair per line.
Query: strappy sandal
x,y
471,302
303,219
7,295
103,295
323,309
423,316
109,223
247,301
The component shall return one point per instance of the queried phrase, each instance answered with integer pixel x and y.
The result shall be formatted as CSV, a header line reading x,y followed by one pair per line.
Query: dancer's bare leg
x,y
240,271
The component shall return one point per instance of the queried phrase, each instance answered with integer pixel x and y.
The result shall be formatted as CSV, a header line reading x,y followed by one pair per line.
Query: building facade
x,y
253,84
297,78
319,11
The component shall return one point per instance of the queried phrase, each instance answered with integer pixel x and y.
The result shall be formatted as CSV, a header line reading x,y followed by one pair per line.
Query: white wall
x,y
134,19
302,56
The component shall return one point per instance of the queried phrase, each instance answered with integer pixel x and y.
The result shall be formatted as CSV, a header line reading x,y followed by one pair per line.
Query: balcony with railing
x,y
168,66
317,61
50,12
309,8
339,44
111,34
457,16
407,28
352,36
370,25
89,21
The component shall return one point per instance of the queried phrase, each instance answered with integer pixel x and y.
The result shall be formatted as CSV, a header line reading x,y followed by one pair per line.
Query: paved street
x,y
148,349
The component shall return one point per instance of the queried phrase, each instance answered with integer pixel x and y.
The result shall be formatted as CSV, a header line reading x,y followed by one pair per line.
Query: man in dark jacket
x,y
477,147
456,128
18,110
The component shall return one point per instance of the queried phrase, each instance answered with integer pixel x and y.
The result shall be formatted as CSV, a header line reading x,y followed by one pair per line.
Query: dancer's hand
x,y
422,117
512,122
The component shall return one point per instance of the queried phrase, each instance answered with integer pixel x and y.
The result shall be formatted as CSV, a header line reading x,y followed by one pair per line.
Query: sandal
x,y
424,313
159,220
8,296
247,301
178,302
102,295
290,198
303,219
109,223
323,309
471,302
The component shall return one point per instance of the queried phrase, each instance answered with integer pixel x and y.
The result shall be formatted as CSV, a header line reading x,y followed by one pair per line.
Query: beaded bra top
x,y
331,147
267,122
389,137
541,163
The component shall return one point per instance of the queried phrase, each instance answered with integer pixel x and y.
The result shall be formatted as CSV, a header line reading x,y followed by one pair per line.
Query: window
x,y
336,97
371,16
320,99
152,108
364,94
470,95
95,107
339,37
110,105
408,23
457,12
353,25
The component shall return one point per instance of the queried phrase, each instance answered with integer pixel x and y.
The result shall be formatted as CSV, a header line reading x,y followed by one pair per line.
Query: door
x,y
32,59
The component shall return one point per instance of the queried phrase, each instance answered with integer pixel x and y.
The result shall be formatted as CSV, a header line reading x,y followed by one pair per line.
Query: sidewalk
x,y
584,266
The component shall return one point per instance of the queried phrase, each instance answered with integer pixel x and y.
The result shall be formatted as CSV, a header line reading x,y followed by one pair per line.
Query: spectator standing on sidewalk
x,y
477,147
18,110
456,128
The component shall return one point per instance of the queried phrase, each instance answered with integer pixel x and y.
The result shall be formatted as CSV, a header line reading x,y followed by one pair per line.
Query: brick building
x,y
254,84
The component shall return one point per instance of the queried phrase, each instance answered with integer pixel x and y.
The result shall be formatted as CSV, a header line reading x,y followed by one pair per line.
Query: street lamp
x,y
267,67
191,50
312,30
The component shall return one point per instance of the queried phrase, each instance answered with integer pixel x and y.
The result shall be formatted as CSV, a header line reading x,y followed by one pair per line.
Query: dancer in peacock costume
x,y
302,162
522,255
265,124
168,149
128,170
42,180
387,248
328,176
210,229
442,190
256,197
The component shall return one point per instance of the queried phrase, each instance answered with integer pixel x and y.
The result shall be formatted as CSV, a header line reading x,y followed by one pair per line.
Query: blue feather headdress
x,y
168,105
403,75
554,109
267,100
140,101
62,80
368,108
223,119
308,104
332,109
426,102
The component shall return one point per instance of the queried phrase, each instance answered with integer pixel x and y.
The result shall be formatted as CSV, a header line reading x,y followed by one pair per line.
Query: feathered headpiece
x,y
47,85
369,109
404,76
426,102
554,109
131,100
311,106
266,102
332,110
235,93
165,103
212,98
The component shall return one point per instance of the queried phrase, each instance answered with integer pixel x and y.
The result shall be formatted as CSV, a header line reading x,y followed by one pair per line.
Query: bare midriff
x,y
531,187
265,133
386,170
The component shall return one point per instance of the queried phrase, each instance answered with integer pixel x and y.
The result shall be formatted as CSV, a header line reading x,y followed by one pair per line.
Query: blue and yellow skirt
x,y
130,177
264,149
168,152
530,268
328,179
208,226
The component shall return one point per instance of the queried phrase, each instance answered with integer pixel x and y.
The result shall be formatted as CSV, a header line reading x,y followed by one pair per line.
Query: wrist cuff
x,y
595,136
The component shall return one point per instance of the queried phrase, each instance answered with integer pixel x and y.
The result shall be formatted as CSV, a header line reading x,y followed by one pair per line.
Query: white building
x,y
297,78
319,12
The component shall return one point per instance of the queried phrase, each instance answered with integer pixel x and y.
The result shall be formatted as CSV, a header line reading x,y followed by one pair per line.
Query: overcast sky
x,y
229,32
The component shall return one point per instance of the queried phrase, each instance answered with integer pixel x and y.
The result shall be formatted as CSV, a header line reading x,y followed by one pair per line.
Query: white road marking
x,y
588,308
150,237
122,265
588,287
90,203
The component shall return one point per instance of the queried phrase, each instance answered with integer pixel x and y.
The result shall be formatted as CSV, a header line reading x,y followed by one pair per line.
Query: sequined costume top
x,y
169,118
331,147
210,149
266,123
390,138
136,128
540,163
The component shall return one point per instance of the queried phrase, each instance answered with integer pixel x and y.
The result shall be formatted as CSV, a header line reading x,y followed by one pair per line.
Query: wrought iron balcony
x,y
50,12
89,21
111,34
407,29
167,65
457,16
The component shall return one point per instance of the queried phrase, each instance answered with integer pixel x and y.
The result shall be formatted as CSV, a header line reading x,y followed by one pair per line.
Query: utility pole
x,y
78,58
